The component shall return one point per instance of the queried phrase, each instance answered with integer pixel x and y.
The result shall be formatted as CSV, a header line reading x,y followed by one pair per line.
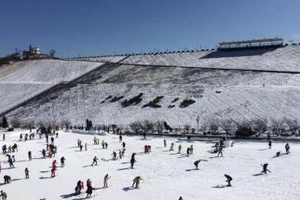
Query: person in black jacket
x,y
228,180
132,160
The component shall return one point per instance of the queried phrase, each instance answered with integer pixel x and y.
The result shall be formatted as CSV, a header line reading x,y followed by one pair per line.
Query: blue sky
x,y
101,27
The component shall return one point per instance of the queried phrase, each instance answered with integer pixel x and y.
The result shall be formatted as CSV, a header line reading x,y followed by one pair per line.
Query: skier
x,y
196,163
188,151
7,179
3,195
21,137
105,181
171,147
165,143
287,148
114,155
94,161
29,155
120,154
270,144
228,180
136,181
278,153
132,160
220,150
53,170
54,164
120,138
89,190
62,161
123,145
180,198
26,173
123,152
265,168
10,161
44,153
79,187
191,149
179,148
103,144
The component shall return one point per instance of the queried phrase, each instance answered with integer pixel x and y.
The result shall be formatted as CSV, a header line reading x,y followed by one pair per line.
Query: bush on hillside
x,y
186,102
244,129
135,100
116,98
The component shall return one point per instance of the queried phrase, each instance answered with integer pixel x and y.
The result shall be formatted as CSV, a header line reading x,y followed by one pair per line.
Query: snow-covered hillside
x,y
218,94
218,82
280,59
48,71
166,175
23,80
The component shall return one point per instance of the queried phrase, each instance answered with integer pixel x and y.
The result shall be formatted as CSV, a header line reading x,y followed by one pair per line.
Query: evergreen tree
x,y
4,122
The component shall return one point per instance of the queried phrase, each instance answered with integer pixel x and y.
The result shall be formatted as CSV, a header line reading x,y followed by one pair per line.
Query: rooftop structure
x,y
266,42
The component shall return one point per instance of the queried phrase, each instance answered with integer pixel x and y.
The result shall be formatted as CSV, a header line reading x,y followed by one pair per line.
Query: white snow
x,y
281,59
23,80
166,175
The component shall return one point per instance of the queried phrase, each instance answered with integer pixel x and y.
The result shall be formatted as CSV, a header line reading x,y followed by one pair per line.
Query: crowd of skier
x,y
51,149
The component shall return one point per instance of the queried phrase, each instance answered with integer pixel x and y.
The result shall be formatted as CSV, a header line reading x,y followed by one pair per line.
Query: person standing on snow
x,y
29,155
165,143
220,150
3,195
132,160
179,149
270,144
105,181
136,181
62,161
287,148
89,190
265,168
171,147
26,173
94,161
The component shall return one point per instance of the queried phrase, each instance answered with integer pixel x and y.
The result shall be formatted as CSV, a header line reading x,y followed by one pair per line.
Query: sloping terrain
x,y
221,94
278,59
23,80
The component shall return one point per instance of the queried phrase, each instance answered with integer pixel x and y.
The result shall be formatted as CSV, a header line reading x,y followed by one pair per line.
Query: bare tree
x,y
277,125
187,128
135,126
204,126
147,126
28,124
227,125
65,124
15,122
159,125
259,126
293,125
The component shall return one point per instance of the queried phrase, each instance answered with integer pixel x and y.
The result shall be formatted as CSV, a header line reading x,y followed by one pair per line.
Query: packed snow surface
x,y
166,175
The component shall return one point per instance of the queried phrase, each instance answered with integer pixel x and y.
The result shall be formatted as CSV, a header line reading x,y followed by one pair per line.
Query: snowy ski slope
x,y
166,175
